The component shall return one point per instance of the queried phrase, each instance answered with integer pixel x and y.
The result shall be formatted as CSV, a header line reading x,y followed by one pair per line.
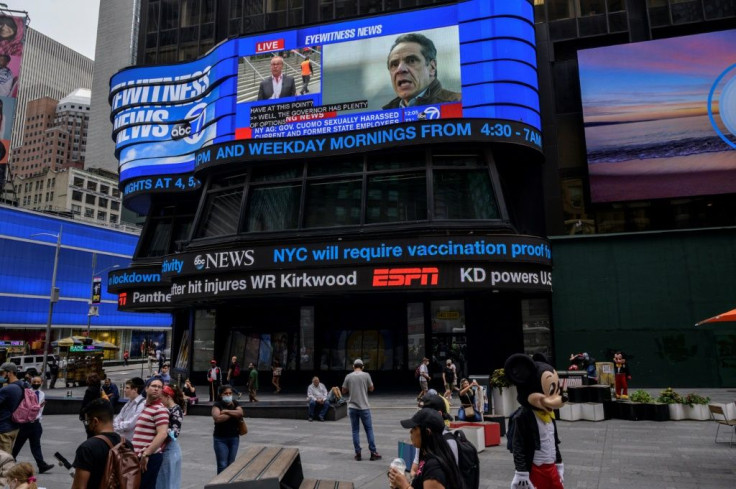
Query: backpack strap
x,y
107,440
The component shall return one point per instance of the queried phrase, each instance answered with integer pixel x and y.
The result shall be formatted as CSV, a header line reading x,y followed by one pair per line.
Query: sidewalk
x,y
606,454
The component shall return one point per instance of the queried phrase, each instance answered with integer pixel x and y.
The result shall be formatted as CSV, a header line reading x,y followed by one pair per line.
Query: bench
x,y
261,467
272,409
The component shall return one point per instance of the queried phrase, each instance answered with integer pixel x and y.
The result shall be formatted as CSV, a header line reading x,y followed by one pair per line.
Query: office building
x,y
292,228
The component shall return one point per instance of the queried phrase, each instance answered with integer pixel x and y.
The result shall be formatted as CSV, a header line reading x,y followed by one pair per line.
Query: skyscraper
x,y
117,37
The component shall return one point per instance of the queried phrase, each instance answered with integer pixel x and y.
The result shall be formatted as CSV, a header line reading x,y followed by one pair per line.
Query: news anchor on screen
x,y
412,65
277,85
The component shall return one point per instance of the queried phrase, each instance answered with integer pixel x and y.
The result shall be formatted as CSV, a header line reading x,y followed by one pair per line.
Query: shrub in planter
x,y
498,380
696,407
641,396
503,393
674,403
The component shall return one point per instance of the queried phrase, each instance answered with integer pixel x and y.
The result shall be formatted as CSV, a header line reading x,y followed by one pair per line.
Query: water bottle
x,y
399,464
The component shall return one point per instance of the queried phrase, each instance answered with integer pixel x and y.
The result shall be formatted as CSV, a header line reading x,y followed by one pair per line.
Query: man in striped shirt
x,y
150,433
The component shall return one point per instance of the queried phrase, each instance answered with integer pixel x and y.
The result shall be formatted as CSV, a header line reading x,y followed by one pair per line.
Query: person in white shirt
x,y
32,431
317,396
124,422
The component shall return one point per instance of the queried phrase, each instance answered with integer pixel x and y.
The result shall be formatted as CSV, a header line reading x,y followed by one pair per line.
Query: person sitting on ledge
x,y
317,396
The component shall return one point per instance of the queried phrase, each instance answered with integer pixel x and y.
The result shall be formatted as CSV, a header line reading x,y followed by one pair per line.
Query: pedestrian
x,y
150,433
467,411
358,384
21,476
111,391
169,477
276,371
126,357
448,378
438,468
233,372
214,377
53,371
32,431
165,374
161,359
307,72
226,437
423,378
90,459
93,391
190,394
10,397
252,382
124,422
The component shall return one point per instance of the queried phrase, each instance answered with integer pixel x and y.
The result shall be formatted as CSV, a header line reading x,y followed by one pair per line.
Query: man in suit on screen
x,y
277,85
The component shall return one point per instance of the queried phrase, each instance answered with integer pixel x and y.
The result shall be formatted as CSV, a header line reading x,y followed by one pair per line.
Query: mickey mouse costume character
x,y
622,375
535,444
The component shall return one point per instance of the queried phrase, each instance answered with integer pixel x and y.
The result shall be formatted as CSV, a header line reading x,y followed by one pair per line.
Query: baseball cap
x,y
9,367
358,362
168,391
213,361
425,418
434,402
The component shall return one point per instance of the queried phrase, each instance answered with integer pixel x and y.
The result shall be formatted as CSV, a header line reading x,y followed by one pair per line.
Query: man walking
x,y
32,431
151,430
10,397
90,460
252,382
423,378
233,372
358,384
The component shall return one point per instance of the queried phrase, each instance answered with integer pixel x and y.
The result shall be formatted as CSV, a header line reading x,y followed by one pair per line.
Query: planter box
x,y
599,393
495,418
592,411
571,412
610,410
698,412
578,394
475,435
628,410
491,431
677,411
656,412
504,403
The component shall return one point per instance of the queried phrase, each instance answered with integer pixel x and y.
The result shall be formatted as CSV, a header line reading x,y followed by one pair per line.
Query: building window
x,y
89,199
89,212
77,195
113,218
102,202
222,207
105,189
397,197
101,216
92,186
76,209
114,205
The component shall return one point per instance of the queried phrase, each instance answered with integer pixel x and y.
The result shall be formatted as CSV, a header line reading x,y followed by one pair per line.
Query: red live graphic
x,y
265,46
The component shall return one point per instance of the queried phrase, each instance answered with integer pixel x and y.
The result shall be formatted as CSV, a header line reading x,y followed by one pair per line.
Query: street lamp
x,y
92,307
53,299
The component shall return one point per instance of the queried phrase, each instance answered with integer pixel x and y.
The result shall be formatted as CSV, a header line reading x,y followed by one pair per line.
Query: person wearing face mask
x,y
90,459
32,431
10,397
21,476
226,438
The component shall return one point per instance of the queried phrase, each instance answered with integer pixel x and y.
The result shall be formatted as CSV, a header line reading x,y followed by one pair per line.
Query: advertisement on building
x,y
349,86
12,33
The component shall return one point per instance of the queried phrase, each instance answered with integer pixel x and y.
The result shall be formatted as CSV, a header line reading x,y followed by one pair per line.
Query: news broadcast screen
x,y
660,117
304,90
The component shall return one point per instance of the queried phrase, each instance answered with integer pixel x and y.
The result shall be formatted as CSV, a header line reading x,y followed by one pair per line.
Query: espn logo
x,y
122,298
405,277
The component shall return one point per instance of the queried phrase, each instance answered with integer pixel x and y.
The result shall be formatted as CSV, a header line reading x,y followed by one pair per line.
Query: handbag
x,y
242,427
469,411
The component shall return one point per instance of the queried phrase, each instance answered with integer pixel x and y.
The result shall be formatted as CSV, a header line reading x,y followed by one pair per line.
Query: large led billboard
x,y
356,85
660,117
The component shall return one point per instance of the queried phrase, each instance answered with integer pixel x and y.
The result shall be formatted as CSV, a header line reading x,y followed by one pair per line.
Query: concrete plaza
x,y
606,454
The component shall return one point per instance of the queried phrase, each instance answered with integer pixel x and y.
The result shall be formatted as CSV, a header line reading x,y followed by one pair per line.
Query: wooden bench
x,y
261,467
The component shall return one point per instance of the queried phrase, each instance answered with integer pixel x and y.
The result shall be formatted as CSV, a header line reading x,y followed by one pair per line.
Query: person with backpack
x,y
33,430
92,456
434,401
10,398
437,467
233,372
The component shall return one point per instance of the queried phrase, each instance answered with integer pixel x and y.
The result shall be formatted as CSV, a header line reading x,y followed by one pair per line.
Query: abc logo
x,y
432,113
180,131
199,262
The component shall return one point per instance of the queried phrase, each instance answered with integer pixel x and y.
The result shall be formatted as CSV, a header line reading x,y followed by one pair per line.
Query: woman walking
x,y
226,438
169,477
